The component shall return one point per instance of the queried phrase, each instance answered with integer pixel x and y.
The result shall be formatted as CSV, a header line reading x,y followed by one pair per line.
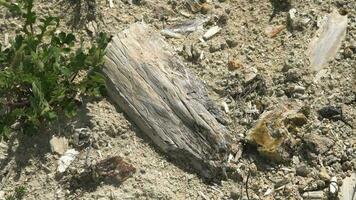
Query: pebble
x,y
205,8
334,188
58,145
231,43
211,32
2,195
235,195
216,47
302,170
313,195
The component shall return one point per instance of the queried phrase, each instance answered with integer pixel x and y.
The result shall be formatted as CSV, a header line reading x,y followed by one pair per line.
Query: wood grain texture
x,y
169,104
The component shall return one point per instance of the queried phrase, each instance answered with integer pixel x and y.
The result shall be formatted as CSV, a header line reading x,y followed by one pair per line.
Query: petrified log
x,y
169,104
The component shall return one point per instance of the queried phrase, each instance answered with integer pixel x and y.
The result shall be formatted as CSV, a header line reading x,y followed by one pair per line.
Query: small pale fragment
x,y
313,195
292,13
234,64
58,145
333,186
272,31
211,32
323,174
170,34
111,4
185,14
226,107
65,160
2,195
92,27
188,26
6,40
250,73
348,188
327,41
268,192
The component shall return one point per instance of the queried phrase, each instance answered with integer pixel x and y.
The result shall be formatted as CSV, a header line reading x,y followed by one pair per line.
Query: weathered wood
x,y
161,96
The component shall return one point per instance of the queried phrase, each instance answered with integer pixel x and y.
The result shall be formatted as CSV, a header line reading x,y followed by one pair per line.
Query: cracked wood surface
x,y
166,101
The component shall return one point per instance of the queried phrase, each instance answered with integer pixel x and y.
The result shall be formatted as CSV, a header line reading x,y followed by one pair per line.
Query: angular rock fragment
x,y
272,31
313,195
114,170
273,132
211,32
348,188
65,160
58,145
188,26
327,41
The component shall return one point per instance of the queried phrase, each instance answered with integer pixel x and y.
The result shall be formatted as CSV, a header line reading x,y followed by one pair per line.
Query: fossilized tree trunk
x,y
170,105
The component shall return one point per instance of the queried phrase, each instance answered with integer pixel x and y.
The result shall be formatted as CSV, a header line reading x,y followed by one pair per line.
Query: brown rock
x,y
114,169
318,143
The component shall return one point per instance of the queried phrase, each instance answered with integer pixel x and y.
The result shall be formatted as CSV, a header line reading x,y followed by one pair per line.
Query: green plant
x,y
42,71
19,193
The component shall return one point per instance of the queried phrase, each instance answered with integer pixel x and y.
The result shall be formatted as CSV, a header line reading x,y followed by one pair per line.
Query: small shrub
x,y
19,193
39,71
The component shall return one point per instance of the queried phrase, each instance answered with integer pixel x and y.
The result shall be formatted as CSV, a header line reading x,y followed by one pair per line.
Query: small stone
x,y
347,190
211,32
231,43
58,145
223,19
272,31
302,170
114,169
235,195
334,188
313,195
346,166
234,65
320,184
215,47
323,174
2,195
92,27
66,159
318,143
205,8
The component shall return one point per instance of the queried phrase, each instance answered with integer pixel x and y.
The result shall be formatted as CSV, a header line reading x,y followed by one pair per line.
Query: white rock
x,y
327,41
225,106
211,32
111,4
65,160
347,190
313,195
268,192
2,195
171,34
59,145
333,188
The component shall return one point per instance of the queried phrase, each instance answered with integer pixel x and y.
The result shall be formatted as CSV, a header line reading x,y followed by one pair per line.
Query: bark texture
x,y
166,101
